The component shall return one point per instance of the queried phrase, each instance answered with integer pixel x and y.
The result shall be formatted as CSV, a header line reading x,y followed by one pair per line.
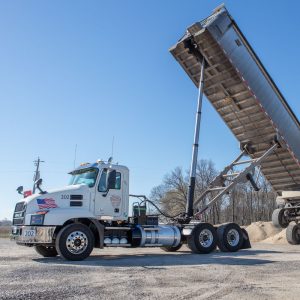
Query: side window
x,y
118,181
102,181
102,187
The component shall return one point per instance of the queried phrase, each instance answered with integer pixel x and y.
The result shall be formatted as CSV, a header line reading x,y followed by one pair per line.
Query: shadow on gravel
x,y
163,259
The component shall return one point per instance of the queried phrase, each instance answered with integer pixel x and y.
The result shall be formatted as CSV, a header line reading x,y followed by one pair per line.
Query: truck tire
x,y
46,251
278,218
203,239
230,237
293,233
171,249
74,242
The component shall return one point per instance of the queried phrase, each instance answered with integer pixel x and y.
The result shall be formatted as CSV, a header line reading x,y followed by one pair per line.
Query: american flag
x,y
46,203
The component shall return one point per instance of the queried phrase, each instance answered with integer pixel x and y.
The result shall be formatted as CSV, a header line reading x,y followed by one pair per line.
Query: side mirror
x,y
20,190
39,182
111,180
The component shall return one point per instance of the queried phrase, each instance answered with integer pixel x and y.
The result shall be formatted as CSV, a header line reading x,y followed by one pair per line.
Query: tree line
x,y
5,222
242,205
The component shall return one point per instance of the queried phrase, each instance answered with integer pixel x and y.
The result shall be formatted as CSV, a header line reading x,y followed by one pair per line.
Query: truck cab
x,y
91,211
86,195
108,188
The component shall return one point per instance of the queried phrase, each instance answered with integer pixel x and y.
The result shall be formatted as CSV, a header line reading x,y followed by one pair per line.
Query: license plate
x,y
29,233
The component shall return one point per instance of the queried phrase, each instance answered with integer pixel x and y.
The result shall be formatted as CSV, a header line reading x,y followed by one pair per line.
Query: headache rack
x,y
244,95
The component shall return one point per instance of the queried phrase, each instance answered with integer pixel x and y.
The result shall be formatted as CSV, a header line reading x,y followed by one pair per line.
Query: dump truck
x,y
93,210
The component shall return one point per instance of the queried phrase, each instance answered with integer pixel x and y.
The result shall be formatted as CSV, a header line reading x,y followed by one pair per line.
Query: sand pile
x,y
278,238
265,232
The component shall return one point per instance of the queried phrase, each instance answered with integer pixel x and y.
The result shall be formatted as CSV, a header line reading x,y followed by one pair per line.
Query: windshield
x,y
85,176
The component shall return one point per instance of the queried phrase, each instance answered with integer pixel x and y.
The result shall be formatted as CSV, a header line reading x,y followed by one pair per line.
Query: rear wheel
x,y
279,219
75,242
293,233
230,237
46,251
171,249
203,238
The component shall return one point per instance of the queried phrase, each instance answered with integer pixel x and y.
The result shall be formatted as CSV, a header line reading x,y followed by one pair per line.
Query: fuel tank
x,y
156,236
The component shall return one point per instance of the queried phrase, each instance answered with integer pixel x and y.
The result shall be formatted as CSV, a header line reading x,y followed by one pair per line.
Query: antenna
x,y
112,146
75,154
37,172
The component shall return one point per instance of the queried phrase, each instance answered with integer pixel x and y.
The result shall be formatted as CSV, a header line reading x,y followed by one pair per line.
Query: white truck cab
x,y
105,203
92,211
87,195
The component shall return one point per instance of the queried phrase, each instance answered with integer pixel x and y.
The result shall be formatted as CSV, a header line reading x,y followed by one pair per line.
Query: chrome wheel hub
x,y
77,242
206,238
233,237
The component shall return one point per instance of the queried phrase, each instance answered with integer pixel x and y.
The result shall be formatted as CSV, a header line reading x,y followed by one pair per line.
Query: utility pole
x,y
37,172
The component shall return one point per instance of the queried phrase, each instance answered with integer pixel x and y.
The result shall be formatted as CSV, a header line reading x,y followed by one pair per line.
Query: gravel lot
x,y
263,272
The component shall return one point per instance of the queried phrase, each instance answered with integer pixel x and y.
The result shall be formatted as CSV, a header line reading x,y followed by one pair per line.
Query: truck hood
x,y
58,198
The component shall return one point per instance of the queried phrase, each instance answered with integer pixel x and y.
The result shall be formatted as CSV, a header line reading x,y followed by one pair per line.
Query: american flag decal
x,y
46,203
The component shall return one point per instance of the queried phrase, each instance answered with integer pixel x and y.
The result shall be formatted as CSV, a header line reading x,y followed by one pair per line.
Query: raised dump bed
x,y
243,93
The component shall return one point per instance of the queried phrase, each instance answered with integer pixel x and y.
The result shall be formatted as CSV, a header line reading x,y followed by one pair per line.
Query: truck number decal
x,y
29,233
65,196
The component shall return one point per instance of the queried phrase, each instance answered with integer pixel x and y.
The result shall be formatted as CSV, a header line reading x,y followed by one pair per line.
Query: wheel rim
x,y
206,238
233,237
77,242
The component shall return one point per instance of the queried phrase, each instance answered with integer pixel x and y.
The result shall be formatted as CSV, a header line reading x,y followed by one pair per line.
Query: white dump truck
x,y
93,211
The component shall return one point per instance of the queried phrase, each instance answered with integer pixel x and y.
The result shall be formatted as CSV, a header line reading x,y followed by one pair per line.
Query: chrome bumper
x,y
33,234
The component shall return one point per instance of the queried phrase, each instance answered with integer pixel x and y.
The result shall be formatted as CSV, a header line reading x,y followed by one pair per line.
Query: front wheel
x,y
46,251
203,238
75,242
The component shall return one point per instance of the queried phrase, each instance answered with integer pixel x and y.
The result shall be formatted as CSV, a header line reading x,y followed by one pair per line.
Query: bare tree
x,y
243,205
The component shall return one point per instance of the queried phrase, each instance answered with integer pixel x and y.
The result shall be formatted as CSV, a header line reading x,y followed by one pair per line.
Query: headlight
x,y
37,219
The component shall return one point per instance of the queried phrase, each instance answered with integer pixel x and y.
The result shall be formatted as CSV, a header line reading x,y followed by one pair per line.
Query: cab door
x,y
109,199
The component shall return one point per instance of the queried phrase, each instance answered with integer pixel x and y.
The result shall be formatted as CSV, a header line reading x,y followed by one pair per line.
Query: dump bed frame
x,y
244,94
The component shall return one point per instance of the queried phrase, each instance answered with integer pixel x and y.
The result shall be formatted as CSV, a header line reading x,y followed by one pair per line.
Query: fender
x,y
100,228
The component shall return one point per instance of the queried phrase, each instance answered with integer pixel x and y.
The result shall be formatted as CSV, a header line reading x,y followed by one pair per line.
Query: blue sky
x,y
81,72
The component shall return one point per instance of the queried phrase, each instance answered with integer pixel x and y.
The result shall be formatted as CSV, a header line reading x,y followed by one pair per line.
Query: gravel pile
x,y
266,232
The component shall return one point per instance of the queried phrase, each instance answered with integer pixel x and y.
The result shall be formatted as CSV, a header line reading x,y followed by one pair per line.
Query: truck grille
x,y
19,213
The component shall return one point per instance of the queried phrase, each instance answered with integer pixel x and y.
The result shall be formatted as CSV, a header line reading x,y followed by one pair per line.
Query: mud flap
x,y
246,244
